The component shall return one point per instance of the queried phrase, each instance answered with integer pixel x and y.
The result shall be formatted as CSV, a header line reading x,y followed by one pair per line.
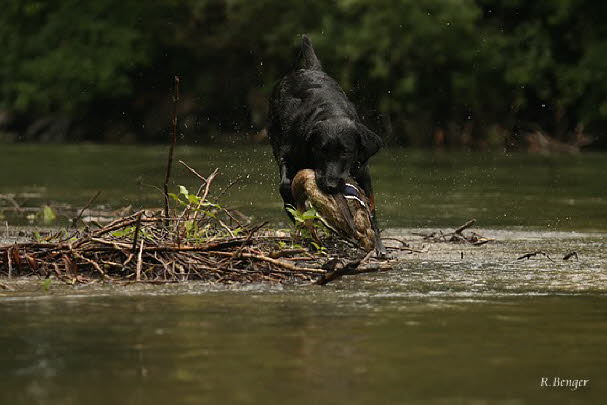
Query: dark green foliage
x,y
61,55
463,72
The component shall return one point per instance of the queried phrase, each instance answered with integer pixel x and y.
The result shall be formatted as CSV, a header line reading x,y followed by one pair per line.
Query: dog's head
x,y
336,146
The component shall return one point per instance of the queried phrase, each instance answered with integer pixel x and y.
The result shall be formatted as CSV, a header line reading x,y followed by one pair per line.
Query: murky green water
x,y
307,346
413,188
454,325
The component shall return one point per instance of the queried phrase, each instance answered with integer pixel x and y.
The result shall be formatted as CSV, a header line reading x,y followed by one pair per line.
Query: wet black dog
x,y
313,125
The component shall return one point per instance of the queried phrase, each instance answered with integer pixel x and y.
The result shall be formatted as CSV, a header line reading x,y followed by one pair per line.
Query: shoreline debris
x,y
457,236
200,240
533,254
570,255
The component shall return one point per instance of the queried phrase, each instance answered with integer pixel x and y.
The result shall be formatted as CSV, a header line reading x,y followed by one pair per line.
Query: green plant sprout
x,y
202,208
309,224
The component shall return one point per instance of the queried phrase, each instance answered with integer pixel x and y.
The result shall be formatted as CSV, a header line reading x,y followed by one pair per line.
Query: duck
x,y
346,214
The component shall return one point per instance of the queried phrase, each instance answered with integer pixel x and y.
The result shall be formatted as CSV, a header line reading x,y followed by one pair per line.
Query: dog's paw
x,y
382,254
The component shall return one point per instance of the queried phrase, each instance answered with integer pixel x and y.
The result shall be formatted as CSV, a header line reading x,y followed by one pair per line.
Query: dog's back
x,y
304,97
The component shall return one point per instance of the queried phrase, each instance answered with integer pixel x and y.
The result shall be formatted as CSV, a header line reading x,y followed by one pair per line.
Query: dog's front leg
x,y
363,178
285,189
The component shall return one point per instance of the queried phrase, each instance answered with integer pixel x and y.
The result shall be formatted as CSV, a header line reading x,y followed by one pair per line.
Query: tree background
x,y
458,73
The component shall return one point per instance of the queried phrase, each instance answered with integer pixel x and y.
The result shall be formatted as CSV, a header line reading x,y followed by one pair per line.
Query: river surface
x,y
456,324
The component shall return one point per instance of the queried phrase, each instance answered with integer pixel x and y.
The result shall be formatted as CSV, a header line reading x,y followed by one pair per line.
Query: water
x,y
457,324
413,188
301,346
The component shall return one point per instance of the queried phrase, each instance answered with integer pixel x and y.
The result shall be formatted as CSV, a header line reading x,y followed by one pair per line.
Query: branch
x,y
171,150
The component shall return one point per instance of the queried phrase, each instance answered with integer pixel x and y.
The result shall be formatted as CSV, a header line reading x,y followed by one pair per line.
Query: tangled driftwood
x,y
457,236
200,241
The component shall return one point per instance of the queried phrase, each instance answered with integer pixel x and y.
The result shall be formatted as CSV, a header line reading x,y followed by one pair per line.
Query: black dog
x,y
313,125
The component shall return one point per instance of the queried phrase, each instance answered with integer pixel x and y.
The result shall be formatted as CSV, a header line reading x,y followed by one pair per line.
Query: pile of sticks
x,y
112,254
457,236
158,258
155,248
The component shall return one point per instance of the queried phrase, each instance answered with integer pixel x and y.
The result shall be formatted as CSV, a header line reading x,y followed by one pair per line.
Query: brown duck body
x,y
347,216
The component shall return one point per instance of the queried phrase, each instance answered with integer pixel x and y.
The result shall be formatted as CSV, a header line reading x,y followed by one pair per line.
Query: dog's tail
x,y
307,57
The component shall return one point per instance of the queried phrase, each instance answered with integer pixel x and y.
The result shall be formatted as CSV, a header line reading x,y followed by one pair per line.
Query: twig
x,y
570,255
204,195
136,236
277,254
88,204
10,262
337,268
119,246
121,223
530,255
465,226
232,217
482,241
171,150
139,262
12,200
194,172
252,232
229,186
92,263
277,262
205,185
406,249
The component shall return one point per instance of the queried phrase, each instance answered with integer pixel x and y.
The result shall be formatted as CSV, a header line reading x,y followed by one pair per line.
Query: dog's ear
x,y
369,143
307,58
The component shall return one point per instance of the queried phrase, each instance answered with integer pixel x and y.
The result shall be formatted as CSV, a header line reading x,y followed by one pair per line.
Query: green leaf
x,y
48,214
210,214
309,214
193,198
319,249
46,284
190,228
123,232
184,191
210,204
296,214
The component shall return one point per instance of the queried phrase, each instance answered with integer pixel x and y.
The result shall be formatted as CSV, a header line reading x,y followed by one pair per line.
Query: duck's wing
x,y
344,209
